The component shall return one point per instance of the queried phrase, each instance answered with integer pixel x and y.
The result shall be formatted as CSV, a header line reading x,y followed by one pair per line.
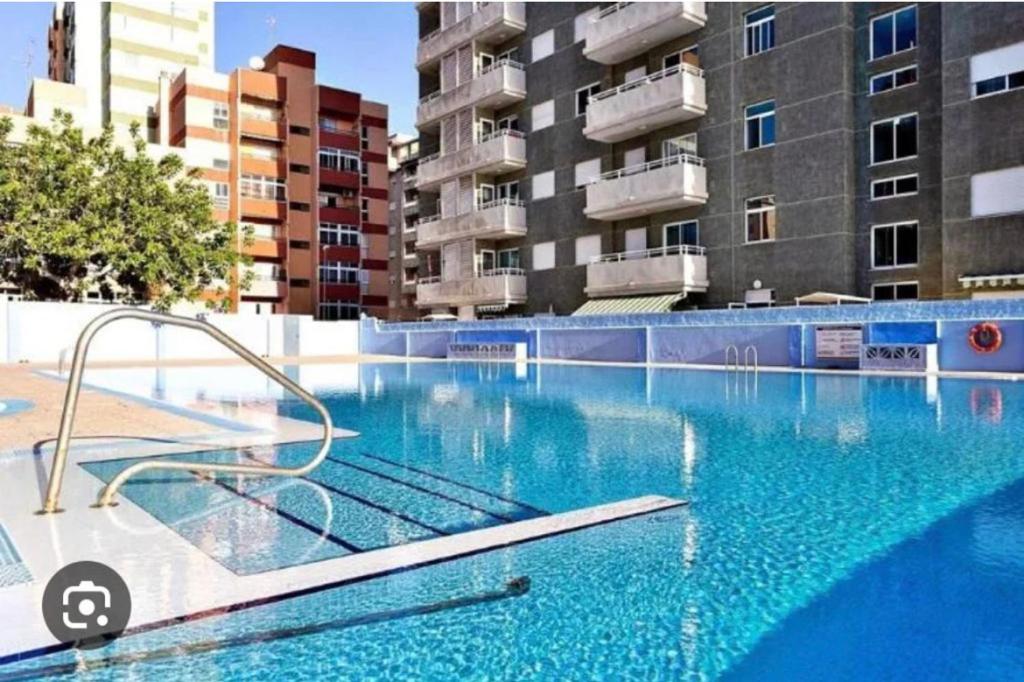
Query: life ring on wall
x,y
985,337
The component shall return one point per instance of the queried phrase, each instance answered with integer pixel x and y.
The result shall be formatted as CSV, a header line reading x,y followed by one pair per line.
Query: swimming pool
x,y
839,527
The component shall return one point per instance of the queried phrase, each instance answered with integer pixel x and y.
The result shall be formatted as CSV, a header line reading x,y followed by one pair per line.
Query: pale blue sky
x,y
366,47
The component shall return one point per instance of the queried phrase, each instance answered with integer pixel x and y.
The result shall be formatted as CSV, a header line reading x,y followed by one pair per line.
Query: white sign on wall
x,y
838,342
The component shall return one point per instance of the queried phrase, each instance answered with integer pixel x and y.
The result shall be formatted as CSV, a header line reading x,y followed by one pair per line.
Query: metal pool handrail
x,y
75,384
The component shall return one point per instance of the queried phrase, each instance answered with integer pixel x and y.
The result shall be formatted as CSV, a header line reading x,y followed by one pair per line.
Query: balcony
x,y
673,182
627,29
263,129
501,219
265,248
496,86
494,22
338,178
266,286
270,209
411,207
504,286
261,165
665,270
634,108
503,151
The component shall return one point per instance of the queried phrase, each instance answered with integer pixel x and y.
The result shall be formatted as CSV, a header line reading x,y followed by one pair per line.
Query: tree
x,y
78,214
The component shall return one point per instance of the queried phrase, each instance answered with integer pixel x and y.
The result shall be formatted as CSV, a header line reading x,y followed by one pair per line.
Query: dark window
x,y
760,124
299,244
760,30
893,79
298,168
906,185
894,139
999,84
298,206
583,96
895,245
893,32
902,291
890,187
678,234
761,219
300,283
298,130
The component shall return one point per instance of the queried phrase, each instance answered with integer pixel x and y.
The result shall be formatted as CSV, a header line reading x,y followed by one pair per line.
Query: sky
x,y
365,47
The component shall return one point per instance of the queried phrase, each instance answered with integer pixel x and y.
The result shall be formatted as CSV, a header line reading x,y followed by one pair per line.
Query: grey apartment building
x,y
584,157
403,214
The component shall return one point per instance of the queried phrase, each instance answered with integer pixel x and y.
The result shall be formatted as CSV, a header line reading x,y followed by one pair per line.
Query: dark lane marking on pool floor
x,y
428,491
452,481
363,501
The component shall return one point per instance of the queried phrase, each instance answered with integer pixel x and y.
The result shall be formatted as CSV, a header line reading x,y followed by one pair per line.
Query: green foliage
x,y
78,213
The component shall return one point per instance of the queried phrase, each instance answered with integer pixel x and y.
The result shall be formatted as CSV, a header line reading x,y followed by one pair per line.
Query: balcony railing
x,y
495,86
490,23
502,151
627,29
497,286
669,96
497,219
678,268
672,182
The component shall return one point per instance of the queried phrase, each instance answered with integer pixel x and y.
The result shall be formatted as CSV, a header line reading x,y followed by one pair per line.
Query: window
x,y
364,177
587,248
509,122
677,58
894,138
344,199
509,191
760,219
891,80
997,192
221,164
221,195
894,32
579,27
298,206
335,272
364,137
997,70
894,291
887,188
543,185
544,256
760,30
583,96
335,234
542,115
760,125
262,187
263,230
508,258
338,310
339,160
543,45
299,244
894,246
364,210
298,130
298,168
684,144
587,172
220,115
679,234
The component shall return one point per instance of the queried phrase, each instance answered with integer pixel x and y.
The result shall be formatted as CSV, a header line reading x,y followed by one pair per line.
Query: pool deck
x,y
170,579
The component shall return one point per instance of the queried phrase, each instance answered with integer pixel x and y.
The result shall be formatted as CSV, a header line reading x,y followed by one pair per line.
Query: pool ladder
x,y
67,418
748,353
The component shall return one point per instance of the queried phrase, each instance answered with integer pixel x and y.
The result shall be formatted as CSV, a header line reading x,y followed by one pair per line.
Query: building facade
x,y
404,214
644,156
303,165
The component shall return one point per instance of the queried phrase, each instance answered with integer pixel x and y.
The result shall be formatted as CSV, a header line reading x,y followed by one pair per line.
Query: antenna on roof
x,y
26,61
272,30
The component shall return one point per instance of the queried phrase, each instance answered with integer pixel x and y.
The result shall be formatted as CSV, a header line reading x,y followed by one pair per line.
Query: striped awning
x,y
982,281
629,305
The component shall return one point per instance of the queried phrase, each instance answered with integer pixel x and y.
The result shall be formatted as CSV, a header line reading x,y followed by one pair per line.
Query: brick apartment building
x,y
645,156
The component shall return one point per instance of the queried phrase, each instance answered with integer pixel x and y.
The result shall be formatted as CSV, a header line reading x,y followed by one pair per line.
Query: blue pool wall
x,y
784,337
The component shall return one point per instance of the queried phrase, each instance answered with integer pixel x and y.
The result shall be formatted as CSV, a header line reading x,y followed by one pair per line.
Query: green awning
x,y
629,305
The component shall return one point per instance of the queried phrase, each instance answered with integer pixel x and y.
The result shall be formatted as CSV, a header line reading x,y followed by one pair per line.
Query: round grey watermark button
x,y
86,604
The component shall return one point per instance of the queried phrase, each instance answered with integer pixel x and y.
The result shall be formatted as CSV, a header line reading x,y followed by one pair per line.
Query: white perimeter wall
x,y
38,332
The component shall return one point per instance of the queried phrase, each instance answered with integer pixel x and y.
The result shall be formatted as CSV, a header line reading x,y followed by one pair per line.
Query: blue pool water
x,y
839,527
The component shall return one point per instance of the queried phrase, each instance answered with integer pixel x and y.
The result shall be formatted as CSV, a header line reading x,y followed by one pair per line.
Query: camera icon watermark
x,y
86,604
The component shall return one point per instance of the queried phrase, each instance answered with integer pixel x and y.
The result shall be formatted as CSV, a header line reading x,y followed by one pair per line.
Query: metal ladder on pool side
x,y
748,353
67,418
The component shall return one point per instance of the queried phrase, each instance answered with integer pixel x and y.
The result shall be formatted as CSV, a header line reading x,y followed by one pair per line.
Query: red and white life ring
x,y
985,337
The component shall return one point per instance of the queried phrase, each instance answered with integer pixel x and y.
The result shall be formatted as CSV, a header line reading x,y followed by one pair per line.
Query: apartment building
x,y
304,166
116,51
584,157
404,213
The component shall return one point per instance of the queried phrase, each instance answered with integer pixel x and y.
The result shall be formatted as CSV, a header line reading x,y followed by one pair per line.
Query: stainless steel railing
x,y
67,418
